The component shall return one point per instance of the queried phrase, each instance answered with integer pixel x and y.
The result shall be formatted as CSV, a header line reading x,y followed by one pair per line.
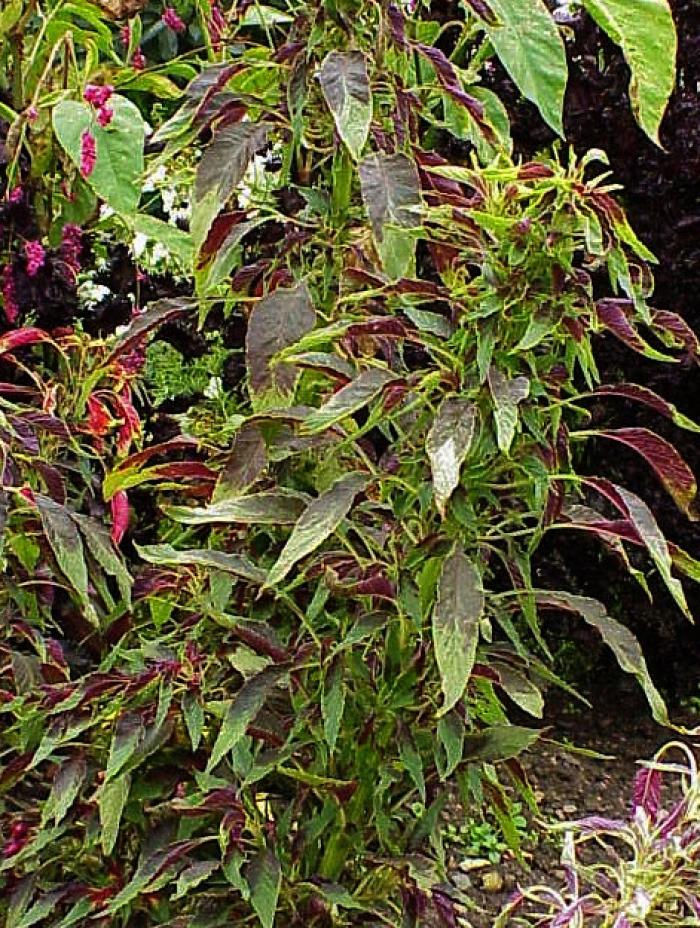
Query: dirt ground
x,y
570,786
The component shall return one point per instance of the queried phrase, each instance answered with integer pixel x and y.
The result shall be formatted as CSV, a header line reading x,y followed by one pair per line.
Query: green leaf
x,y
277,321
111,800
502,742
64,540
448,444
321,518
390,188
348,400
217,560
241,711
128,733
345,85
528,42
194,718
177,242
194,875
10,15
333,703
520,689
246,462
456,617
646,33
411,760
69,778
118,170
507,395
450,730
618,638
280,507
264,876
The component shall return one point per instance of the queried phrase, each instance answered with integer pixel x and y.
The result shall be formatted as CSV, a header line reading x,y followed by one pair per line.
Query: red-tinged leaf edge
x,y
156,314
20,338
646,397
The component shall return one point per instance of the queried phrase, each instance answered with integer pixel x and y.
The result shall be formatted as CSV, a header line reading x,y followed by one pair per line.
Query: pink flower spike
x,y
138,60
36,256
172,20
16,194
125,35
104,115
88,153
97,95
72,246
9,298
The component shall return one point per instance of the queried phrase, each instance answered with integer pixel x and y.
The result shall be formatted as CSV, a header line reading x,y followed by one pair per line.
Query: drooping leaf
x,y
648,530
520,689
156,314
321,518
68,780
507,395
111,800
193,875
196,557
647,397
221,169
264,876
241,711
348,400
64,539
277,507
345,85
390,188
276,322
194,718
667,463
456,617
116,177
647,36
614,315
618,638
528,42
448,443
501,742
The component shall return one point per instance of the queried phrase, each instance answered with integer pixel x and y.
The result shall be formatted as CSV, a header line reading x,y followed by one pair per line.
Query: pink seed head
x,y
36,256
172,20
88,153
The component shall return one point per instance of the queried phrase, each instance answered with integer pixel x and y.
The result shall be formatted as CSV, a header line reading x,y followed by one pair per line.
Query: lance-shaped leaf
x,y
333,702
156,314
345,85
507,395
614,315
242,710
101,547
69,778
648,530
618,638
348,400
670,467
246,462
64,540
390,188
448,444
520,689
215,560
647,397
502,742
111,800
528,42
319,521
281,507
276,322
221,169
264,876
456,617
646,33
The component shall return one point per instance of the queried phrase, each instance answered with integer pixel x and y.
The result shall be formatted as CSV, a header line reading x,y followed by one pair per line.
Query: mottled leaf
x,y
646,33
276,322
277,507
456,617
520,689
196,557
448,443
507,395
619,639
67,782
528,42
614,315
345,85
348,400
101,547
321,518
193,875
264,876
111,800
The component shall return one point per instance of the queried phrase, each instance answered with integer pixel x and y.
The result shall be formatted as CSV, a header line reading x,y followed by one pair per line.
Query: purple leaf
x,y
614,314
647,791
157,314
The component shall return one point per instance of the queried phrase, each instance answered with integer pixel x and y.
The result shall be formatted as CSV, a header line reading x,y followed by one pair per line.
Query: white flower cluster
x,y
175,192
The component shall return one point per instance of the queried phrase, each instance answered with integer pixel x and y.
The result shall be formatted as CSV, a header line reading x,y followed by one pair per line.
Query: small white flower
x,y
138,246
106,211
157,177
90,293
160,253
168,195
214,388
